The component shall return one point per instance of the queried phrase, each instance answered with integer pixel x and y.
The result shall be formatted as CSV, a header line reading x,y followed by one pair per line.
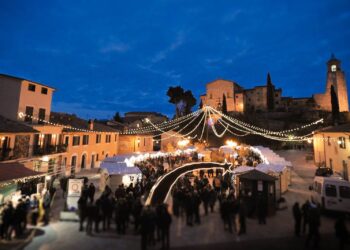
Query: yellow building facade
x,y
332,149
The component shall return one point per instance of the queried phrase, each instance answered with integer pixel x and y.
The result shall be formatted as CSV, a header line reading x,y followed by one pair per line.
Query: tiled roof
x,y
335,129
10,126
23,79
76,122
15,170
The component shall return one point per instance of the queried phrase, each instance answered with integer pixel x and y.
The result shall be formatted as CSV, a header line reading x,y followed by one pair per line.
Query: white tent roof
x,y
271,157
119,168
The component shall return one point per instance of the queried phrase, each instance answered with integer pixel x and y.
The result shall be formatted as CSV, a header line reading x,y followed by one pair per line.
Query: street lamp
x,y
231,143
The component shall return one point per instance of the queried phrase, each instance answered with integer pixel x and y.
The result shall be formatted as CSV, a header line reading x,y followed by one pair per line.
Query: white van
x,y
333,193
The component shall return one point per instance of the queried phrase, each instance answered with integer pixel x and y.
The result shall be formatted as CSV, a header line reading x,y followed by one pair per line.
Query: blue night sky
x,y
107,56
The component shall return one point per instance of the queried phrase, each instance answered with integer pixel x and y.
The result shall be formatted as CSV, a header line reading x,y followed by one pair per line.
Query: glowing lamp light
x,y
231,143
183,143
339,142
309,141
45,159
47,177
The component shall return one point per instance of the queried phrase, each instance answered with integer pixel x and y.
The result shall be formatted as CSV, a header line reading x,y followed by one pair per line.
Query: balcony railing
x,y
49,149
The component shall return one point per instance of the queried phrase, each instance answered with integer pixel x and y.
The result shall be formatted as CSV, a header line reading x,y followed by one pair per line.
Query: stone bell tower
x,y
336,77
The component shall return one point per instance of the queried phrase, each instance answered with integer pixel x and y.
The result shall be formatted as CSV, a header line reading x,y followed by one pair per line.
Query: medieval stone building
x,y
269,98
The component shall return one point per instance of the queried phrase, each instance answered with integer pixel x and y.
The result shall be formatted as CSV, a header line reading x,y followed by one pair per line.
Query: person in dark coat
x,y
35,210
7,220
196,201
91,212
242,212
305,215
189,208
262,209
165,222
297,218
120,215
136,213
212,198
91,192
205,195
314,224
341,232
145,227
82,204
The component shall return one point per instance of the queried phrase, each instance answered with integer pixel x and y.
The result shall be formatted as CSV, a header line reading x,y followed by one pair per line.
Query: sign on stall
x,y
74,187
74,191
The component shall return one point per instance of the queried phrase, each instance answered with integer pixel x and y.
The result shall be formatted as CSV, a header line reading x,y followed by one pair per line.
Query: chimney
x,y
91,124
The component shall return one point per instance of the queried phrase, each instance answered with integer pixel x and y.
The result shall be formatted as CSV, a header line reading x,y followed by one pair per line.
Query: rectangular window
x,y
108,138
74,161
98,138
344,192
29,114
330,190
44,91
41,116
66,140
341,142
85,139
76,140
31,87
97,157
318,187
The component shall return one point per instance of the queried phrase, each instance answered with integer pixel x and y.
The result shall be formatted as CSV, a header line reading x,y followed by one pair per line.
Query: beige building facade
x,y
332,149
135,143
18,95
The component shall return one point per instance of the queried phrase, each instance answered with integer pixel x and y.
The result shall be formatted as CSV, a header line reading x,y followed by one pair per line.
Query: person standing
x,y
165,222
46,206
242,212
205,195
341,232
297,218
305,215
35,210
262,207
7,220
314,224
82,207
196,201
212,198
91,192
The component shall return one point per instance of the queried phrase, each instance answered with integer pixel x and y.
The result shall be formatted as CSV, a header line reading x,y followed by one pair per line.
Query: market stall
x,y
115,173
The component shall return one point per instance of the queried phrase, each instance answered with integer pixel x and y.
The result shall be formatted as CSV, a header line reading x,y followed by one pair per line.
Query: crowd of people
x,y
189,196
15,217
124,209
307,221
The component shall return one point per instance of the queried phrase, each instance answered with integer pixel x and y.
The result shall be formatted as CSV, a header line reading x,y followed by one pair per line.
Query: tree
x,y
224,104
335,106
175,94
189,100
201,104
117,117
270,93
183,100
